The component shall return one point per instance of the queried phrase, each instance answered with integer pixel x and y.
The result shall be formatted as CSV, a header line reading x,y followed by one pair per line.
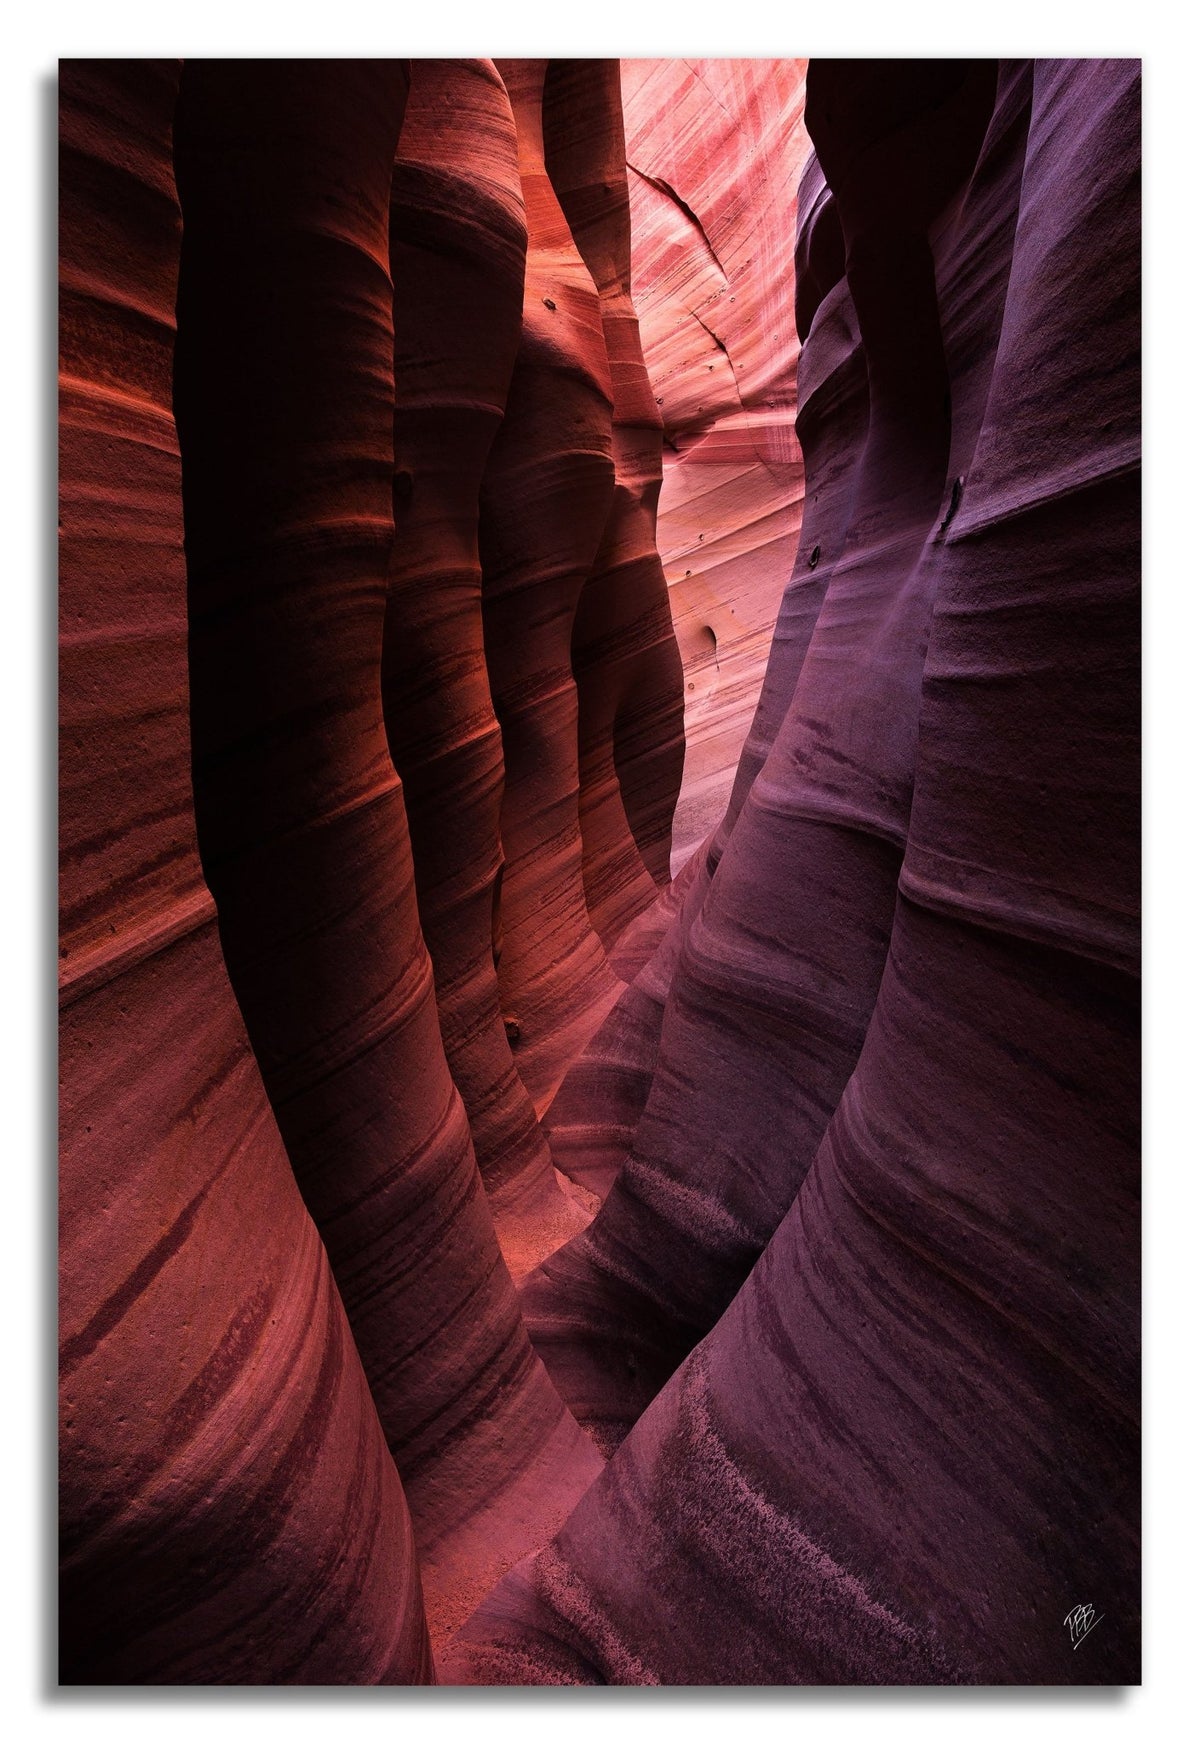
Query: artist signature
x,y
1080,1622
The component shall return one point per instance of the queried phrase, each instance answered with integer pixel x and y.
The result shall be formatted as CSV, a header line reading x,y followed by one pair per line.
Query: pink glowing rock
x,y
715,149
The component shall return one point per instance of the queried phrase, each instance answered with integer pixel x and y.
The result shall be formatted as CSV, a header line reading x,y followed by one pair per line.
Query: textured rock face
x,y
812,1484
229,1509
593,1119
624,654
331,634
721,350
457,255
546,498
287,488
715,149
770,999
856,1322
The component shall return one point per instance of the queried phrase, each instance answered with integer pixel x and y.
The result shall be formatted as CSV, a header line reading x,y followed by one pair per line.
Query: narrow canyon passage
x,y
599,817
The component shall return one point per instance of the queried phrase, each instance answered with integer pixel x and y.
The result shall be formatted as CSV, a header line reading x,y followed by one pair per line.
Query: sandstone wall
x,y
858,1319
715,149
483,1257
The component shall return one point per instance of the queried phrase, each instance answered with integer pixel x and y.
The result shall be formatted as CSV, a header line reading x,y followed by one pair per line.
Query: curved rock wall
x,y
285,175
229,1511
332,633
715,149
457,256
623,653
777,978
856,1322
908,1447
547,494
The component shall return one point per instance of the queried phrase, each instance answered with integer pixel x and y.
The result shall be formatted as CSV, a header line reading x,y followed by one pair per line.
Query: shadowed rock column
x,y
284,395
546,499
908,1450
624,654
778,973
458,266
229,1510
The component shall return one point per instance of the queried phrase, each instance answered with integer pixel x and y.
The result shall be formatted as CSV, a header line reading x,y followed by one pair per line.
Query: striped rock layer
x,y
229,1510
624,654
787,950
370,745
457,257
715,148
356,321
907,1449
547,493
287,490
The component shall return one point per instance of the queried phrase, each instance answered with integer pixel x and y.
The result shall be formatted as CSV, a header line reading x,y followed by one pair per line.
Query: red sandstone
x,y
817,1168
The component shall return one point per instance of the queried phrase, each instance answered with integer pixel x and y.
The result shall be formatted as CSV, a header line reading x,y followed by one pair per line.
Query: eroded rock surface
x,y
910,1442
230,1512
715,149
623,652
457,257
287,490
547,495
816,1167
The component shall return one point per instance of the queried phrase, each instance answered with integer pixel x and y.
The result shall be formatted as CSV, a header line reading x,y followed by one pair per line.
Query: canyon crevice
x,y
599,821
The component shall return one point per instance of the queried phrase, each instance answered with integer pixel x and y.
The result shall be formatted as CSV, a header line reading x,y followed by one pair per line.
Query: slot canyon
x,y
599,872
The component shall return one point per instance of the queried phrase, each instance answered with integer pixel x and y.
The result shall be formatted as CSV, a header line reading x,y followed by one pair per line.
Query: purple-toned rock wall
x,y
483,1258
884,1182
